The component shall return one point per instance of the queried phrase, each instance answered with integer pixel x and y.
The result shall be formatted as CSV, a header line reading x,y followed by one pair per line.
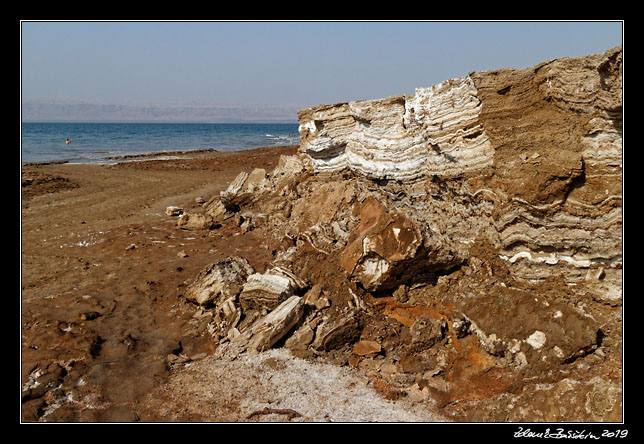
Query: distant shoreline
x,y
158,155
52,111
164,122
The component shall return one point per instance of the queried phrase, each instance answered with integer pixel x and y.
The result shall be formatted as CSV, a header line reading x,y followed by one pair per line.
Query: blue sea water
x,y
92,142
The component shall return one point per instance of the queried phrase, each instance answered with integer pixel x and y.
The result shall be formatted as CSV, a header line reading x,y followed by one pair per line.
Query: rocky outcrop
x,y
447,241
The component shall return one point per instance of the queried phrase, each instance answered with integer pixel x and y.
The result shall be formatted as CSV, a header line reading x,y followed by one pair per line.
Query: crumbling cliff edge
x,y
462,244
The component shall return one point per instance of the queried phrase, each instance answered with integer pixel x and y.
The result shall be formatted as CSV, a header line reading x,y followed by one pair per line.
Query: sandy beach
x,y
103,274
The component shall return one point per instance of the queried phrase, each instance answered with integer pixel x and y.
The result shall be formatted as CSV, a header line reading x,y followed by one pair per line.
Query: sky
x,y
300,64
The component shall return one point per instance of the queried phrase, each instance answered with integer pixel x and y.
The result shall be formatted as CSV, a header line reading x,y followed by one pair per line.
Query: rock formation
x,y
462,244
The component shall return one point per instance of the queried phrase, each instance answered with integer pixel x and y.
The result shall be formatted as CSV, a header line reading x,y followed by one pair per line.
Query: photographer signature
x,y
569,434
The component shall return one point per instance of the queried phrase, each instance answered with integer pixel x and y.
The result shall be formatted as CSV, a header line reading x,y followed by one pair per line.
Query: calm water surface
x,y
92,142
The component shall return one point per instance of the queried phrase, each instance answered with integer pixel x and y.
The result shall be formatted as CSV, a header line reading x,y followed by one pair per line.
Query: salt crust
x,y
319,392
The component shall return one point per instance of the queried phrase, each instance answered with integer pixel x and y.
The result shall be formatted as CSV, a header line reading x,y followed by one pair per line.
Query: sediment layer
x,y
434,132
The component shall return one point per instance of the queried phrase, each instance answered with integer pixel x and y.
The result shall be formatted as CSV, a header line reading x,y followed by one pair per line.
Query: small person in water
x,y
67,141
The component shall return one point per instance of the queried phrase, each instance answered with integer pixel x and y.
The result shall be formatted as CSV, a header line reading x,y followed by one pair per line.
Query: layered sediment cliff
x,y
542,145
468,237
437,131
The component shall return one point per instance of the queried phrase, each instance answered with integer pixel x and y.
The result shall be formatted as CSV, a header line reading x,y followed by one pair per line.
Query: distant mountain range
x,y
41,111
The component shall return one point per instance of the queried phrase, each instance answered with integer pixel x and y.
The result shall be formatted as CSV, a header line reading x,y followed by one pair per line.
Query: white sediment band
x,y
553,259
436,131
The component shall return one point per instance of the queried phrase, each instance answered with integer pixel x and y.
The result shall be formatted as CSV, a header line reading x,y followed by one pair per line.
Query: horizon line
x,y
240,122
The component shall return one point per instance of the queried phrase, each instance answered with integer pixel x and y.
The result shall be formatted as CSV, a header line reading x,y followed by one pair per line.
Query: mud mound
x,y
36,183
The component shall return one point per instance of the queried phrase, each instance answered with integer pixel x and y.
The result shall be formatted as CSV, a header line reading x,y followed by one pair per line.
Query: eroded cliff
x,y
461,245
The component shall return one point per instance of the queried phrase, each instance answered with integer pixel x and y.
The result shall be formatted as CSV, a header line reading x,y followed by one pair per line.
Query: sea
x,y
96,142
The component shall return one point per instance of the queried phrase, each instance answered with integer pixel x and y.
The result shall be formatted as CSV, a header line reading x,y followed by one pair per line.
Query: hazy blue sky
x,y
281,63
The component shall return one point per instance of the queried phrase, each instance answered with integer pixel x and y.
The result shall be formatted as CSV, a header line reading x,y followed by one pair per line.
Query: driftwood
x,y
268,411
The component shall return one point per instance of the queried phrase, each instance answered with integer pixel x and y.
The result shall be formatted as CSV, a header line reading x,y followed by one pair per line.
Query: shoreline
x,y
153,155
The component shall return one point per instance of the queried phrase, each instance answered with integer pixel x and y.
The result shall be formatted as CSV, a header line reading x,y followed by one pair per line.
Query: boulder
x,y
387,249
337,331
245,187
219,281
265,332
268,290
195,221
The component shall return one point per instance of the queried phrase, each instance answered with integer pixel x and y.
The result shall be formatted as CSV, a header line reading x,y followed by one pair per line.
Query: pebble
x,y
173,211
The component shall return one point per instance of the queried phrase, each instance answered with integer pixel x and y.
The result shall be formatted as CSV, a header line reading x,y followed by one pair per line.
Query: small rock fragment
x,y
427,331
300,339
311,296
366,348
173,211
89,316
536,339
595,274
